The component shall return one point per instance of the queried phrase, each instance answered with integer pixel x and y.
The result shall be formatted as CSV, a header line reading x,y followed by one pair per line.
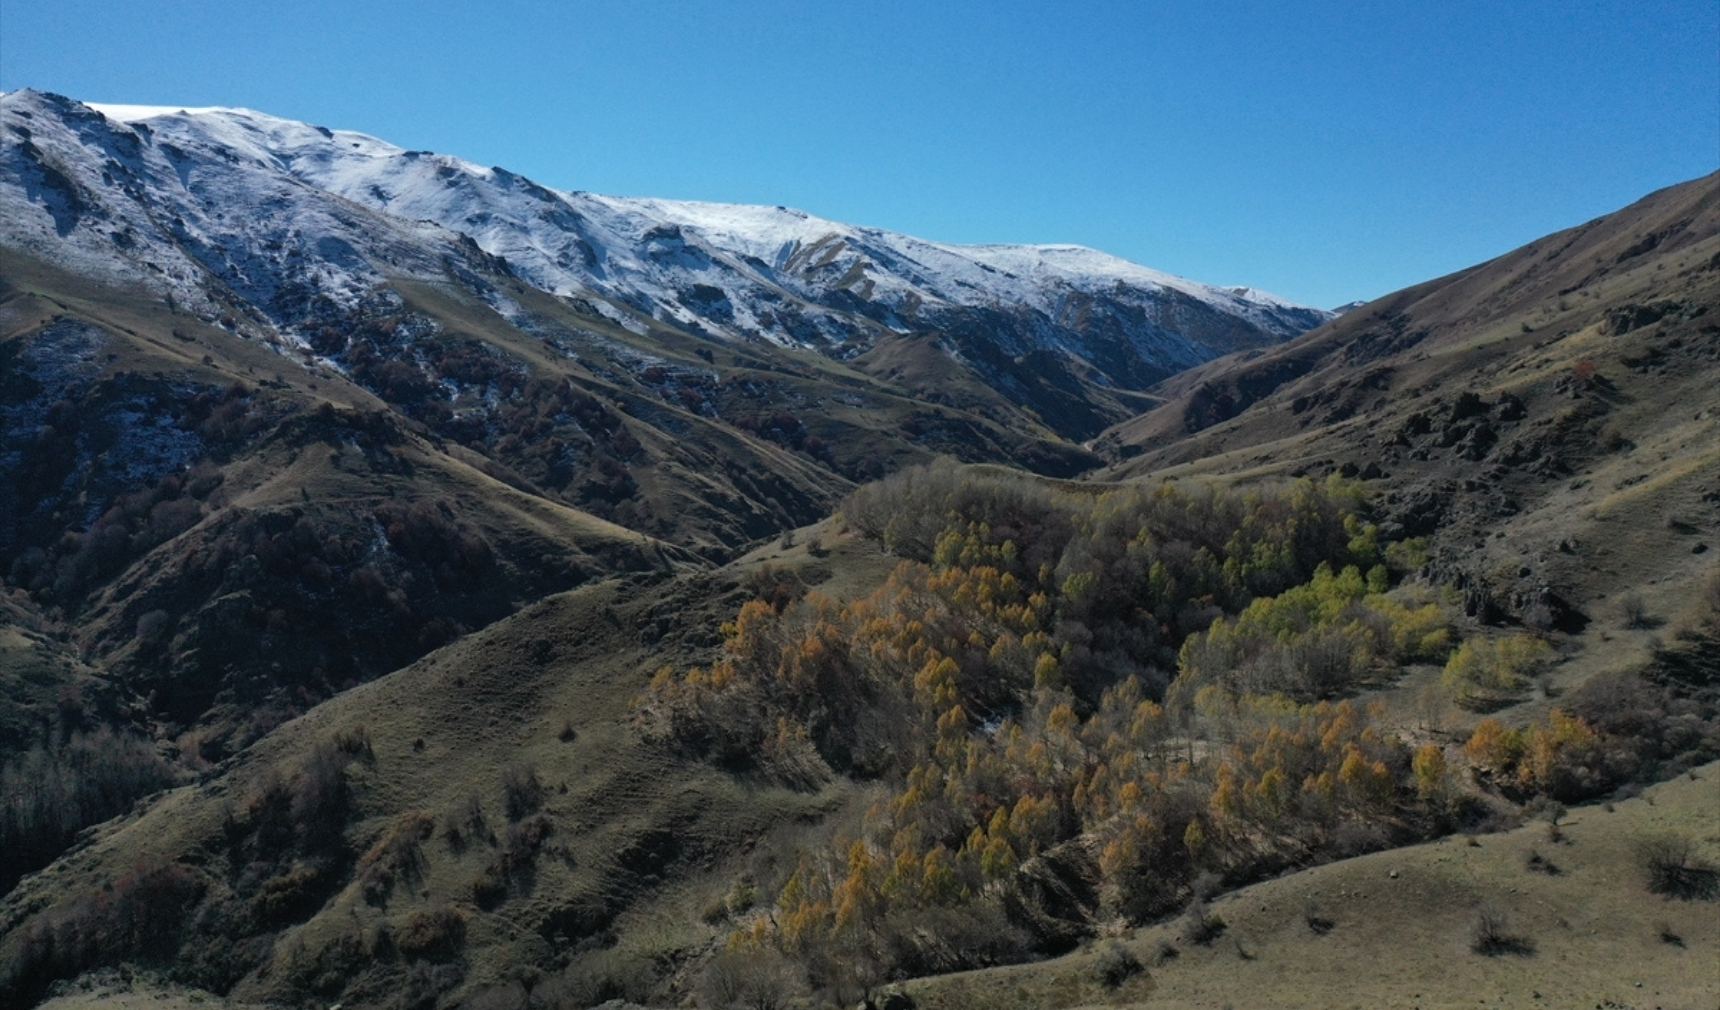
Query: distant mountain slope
x,y
1551,413
651,252
170,197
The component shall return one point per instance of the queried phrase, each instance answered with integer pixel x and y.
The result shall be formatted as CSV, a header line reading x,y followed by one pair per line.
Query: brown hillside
x,y
1553,414
1097,700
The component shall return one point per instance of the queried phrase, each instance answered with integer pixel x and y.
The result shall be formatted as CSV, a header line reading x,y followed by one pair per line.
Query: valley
x,y
425,588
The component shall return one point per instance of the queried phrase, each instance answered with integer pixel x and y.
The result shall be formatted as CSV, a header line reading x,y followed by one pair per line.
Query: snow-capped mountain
x,y
288,215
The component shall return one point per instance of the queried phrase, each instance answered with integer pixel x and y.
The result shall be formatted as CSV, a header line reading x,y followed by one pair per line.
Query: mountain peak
x,y
268,205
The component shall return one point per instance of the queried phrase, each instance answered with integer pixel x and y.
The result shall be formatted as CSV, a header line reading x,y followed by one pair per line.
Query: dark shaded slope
x,y
484,809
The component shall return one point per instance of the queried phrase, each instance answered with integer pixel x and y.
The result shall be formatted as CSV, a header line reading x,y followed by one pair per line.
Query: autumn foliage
x,y
1148,676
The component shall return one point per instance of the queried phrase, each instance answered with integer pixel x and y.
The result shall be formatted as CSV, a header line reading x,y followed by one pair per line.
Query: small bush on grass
x,y
288,895
1116,964
1545,808
435,934
395,856
1202,925
1490,934
1537,863
1633,611
1677,870
464,823
521,790
489,888
1316,919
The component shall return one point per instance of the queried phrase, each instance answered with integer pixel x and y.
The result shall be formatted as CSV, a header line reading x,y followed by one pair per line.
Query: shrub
x,y
522,793
1315,918
522,841
287,896
1490,933
749,980
489,888
741,896
1201,925
319,797
354,742
425,982
935,941
464,822
1492,672
778,587
597,977
512,858
1677,870
1116,964
1545,808
394,855
1633,611
435,934
153,628
1537,863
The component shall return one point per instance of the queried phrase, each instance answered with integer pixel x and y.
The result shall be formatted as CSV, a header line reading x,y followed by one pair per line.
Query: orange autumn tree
x,y
1010,688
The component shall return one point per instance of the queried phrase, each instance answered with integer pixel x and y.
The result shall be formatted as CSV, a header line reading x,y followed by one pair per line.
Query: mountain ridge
x,y
734,271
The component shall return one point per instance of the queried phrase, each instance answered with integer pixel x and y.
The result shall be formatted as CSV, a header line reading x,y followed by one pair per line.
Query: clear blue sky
x,y
1323,151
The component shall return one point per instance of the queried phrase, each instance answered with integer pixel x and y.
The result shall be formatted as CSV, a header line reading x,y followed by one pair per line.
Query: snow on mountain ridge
x,y
128,205
354,165
285,212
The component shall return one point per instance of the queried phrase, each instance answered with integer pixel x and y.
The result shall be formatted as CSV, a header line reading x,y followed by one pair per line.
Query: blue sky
x,y
1322,151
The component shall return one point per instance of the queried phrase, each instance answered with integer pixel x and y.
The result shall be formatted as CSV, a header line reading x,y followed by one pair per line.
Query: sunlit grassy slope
x,y
1399,933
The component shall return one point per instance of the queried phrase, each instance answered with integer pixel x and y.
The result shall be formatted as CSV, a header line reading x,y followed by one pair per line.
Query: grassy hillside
x,y
613,835
979,718
1548,417
513,815
1396,928
214,531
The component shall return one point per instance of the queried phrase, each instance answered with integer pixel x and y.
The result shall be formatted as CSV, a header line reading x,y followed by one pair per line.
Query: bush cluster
x,y
50,793
1486,673
140,915
1008,687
